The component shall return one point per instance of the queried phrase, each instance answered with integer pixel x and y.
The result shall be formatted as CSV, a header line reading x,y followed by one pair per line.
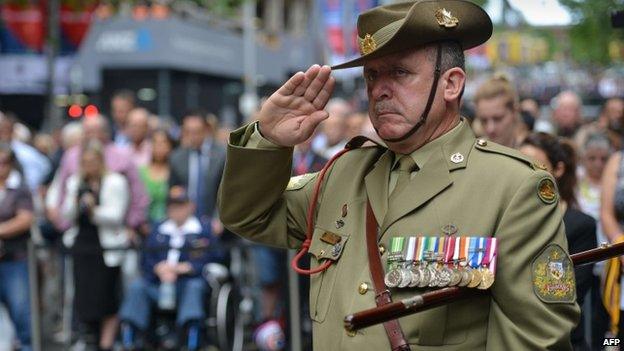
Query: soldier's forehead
x,y
406,57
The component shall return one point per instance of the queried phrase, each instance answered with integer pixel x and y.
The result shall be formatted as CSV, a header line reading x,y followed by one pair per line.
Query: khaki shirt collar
x,y
422,155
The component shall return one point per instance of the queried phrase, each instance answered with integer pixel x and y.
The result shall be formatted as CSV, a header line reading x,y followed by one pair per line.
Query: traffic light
x,y
75,111
91,111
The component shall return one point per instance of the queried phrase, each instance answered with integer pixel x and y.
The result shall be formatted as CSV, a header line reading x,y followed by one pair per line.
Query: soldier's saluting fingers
x,y
309,76
293,112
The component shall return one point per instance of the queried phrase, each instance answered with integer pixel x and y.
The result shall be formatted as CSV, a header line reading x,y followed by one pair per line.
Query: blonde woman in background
x,y
497,110
96,202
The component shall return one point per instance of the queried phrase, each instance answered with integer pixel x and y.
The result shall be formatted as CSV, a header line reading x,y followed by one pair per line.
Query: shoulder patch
x,y
547,191
299,182
553,276
491,147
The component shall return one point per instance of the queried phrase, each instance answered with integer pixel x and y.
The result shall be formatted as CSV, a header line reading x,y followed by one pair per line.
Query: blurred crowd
x,y
100,184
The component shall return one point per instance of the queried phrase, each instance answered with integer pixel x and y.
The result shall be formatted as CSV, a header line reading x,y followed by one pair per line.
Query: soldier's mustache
x,y
385,107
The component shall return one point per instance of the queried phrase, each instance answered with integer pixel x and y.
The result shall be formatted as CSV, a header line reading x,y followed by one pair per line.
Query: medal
x,y
455,272
487,275
455,277
444,277
409,262
447,256
411,259
439,258
395,274
478,247
466,274
433,273
466,278
425,276
393,278
406,277
487,279
433,248
476,279
416,277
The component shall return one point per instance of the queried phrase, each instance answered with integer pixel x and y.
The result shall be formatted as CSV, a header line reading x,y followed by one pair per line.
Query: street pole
x,y
295,304
249,100
33,283
52,113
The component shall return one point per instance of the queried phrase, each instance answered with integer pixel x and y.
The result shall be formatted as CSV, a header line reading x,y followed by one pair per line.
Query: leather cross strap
x,y
382,294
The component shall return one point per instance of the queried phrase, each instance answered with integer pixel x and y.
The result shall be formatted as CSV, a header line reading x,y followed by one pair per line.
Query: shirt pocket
x,y
322,284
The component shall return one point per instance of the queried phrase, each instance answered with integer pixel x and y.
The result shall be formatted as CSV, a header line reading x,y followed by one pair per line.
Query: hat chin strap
x,y
432,94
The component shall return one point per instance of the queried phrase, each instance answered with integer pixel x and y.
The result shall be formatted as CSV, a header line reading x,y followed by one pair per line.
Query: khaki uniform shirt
x,y
489,191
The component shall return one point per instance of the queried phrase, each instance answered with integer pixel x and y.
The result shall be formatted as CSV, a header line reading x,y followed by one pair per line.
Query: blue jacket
x,y
193,242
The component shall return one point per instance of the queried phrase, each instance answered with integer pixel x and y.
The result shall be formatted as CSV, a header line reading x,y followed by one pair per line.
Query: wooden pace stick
x,y
435,298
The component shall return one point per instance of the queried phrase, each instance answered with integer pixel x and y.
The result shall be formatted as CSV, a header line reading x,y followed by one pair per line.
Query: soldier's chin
x,y
387,131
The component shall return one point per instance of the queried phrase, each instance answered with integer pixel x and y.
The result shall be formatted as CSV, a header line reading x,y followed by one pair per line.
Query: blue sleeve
x,y
202,251
151,256
216,251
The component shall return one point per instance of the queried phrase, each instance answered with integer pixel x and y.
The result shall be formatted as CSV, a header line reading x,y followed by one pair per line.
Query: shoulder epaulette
x,y
488,146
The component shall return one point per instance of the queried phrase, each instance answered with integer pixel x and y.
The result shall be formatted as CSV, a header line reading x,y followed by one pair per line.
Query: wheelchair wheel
x,y
230,328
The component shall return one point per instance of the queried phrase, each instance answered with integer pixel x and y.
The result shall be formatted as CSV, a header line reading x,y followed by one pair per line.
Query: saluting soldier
x,y
433,207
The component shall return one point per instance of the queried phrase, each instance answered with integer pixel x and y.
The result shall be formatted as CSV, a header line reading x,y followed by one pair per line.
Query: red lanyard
x,y
351,145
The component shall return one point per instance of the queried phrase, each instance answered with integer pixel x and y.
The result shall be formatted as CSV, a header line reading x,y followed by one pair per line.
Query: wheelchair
x,y
224,326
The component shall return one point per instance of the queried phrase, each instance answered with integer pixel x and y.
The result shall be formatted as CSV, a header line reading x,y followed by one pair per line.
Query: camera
x,y
83,190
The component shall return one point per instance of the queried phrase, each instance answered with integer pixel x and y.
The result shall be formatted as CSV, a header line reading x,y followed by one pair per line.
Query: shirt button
x,y
481,142
363,288
351,333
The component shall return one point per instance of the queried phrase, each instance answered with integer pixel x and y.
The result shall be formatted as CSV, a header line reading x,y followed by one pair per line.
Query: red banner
x,y
25,23
75,22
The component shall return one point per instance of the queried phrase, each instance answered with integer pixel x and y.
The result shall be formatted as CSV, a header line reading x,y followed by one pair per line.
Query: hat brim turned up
x,y
399,27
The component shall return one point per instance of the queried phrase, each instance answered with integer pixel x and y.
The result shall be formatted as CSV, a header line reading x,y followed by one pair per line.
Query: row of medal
x,y
441,261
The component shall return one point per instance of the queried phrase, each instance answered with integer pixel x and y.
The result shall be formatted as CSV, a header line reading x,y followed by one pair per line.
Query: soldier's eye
x,y
370,76
399,72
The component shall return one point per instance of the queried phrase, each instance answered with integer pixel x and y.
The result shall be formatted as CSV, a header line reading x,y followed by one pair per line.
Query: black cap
x,y
177,195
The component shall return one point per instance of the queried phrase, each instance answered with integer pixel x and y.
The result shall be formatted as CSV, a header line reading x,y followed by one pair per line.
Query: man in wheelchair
x,y
174,255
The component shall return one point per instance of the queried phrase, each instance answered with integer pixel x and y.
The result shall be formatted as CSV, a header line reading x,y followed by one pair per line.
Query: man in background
x,y
122,102
198,166
567,114
137,131
610,122
34,166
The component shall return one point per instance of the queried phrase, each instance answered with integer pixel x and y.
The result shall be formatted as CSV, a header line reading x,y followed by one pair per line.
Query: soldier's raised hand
x,y
292,113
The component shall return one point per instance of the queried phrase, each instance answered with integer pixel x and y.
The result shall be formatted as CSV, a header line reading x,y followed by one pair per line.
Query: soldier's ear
x,y
453,82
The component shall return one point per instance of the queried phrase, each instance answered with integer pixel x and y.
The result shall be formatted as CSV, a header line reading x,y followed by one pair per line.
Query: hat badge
x,y
368,45
445,18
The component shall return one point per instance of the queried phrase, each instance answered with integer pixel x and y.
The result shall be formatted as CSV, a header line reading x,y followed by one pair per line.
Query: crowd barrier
x,y
239,269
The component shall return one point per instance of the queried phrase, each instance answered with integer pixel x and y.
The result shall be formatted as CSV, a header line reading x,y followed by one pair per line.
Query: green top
x,y
157,192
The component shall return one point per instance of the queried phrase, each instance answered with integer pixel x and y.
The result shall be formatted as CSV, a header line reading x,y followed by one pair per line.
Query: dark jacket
x,y
179,162
195,243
